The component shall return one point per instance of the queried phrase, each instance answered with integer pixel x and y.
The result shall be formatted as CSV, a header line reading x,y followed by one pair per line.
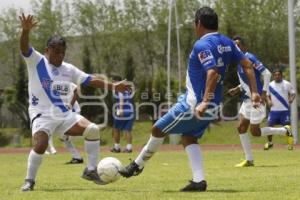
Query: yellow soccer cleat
x,y
268,146
290,138
245,163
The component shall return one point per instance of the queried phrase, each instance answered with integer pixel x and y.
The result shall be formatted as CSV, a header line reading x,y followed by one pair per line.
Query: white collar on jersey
x,y
207,34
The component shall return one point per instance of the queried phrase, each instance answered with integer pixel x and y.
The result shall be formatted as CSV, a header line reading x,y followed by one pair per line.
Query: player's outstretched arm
x,y
235,90
211,83
27,24
120,86
248,70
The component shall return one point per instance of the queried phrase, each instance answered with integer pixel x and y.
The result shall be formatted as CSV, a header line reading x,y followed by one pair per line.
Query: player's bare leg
x,y
136,167
40,144
193,151
116,148
128,136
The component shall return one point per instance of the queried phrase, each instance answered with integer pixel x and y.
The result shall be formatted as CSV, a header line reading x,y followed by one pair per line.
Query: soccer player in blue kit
x,y
190,116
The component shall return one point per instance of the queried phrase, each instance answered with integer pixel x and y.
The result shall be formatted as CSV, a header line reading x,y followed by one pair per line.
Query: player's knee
x,y
156,132
92,132
40,142
242,129
255,130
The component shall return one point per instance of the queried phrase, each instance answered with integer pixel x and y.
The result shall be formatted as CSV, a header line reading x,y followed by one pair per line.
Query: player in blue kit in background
x,y
191,115
123,119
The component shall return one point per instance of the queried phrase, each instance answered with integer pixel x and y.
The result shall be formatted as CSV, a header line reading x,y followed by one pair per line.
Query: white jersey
x,y
279,93
75,107
49,87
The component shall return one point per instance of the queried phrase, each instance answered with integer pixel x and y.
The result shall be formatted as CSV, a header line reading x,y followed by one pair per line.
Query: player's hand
x,y
256,100
200,109
233,91
27,22
123,86
264,97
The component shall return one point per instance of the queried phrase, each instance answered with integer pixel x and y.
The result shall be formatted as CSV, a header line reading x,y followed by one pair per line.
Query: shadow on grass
x,y
213,190
103,189
266,166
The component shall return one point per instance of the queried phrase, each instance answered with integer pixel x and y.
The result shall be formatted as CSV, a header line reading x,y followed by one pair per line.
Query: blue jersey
x,y
258,70
213,50
127,103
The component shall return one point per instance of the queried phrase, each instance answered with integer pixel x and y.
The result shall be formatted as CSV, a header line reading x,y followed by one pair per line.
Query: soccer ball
x,y
108,169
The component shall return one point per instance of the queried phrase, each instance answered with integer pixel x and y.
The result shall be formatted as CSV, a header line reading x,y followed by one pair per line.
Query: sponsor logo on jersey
x,y
34,100
205,56
222,49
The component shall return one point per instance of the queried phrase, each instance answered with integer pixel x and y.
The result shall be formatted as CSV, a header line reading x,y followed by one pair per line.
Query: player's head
x,y
56,50
240,42
277,75
206,19
116,78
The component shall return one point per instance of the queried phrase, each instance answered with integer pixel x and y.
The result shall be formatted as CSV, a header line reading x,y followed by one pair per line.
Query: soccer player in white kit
x,y
250,115
281,94
49,83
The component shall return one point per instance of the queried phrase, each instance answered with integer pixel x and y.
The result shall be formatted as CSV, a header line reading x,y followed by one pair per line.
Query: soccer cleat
x,y
127,151
114,150
195,187
245,163
75,161
268,146
92,175
28,185
131,170
290,138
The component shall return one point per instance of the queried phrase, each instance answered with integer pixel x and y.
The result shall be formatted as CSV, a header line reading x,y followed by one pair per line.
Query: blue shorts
x,y
123,124
279,118
180,120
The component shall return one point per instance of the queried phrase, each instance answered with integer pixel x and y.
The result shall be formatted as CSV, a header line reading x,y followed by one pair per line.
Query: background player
x,y
280,96
248,114
123,120
49,81
210,56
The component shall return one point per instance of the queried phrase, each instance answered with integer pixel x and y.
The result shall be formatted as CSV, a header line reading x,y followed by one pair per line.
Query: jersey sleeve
x,y
291,89
80,77
237,54
32,58
256,63
205,56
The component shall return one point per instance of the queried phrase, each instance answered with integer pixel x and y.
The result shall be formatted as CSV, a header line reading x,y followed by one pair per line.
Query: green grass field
x,y
275,176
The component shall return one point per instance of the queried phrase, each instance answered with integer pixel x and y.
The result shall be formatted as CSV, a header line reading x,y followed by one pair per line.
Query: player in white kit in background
x,y
254,116
280,96
49,83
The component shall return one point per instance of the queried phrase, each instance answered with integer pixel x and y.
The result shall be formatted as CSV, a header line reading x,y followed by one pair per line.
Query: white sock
x,y
33,163
273,131
117,146
70,146
149,149
129,146
92,149
195,158
245,141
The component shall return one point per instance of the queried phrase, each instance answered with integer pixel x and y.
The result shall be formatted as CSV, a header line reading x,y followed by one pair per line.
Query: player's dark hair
x,y
277,70
239,38
207,17
56,40
116,78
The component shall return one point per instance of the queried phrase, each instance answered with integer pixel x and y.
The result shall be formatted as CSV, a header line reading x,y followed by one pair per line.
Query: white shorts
x,y
51,125
255,115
